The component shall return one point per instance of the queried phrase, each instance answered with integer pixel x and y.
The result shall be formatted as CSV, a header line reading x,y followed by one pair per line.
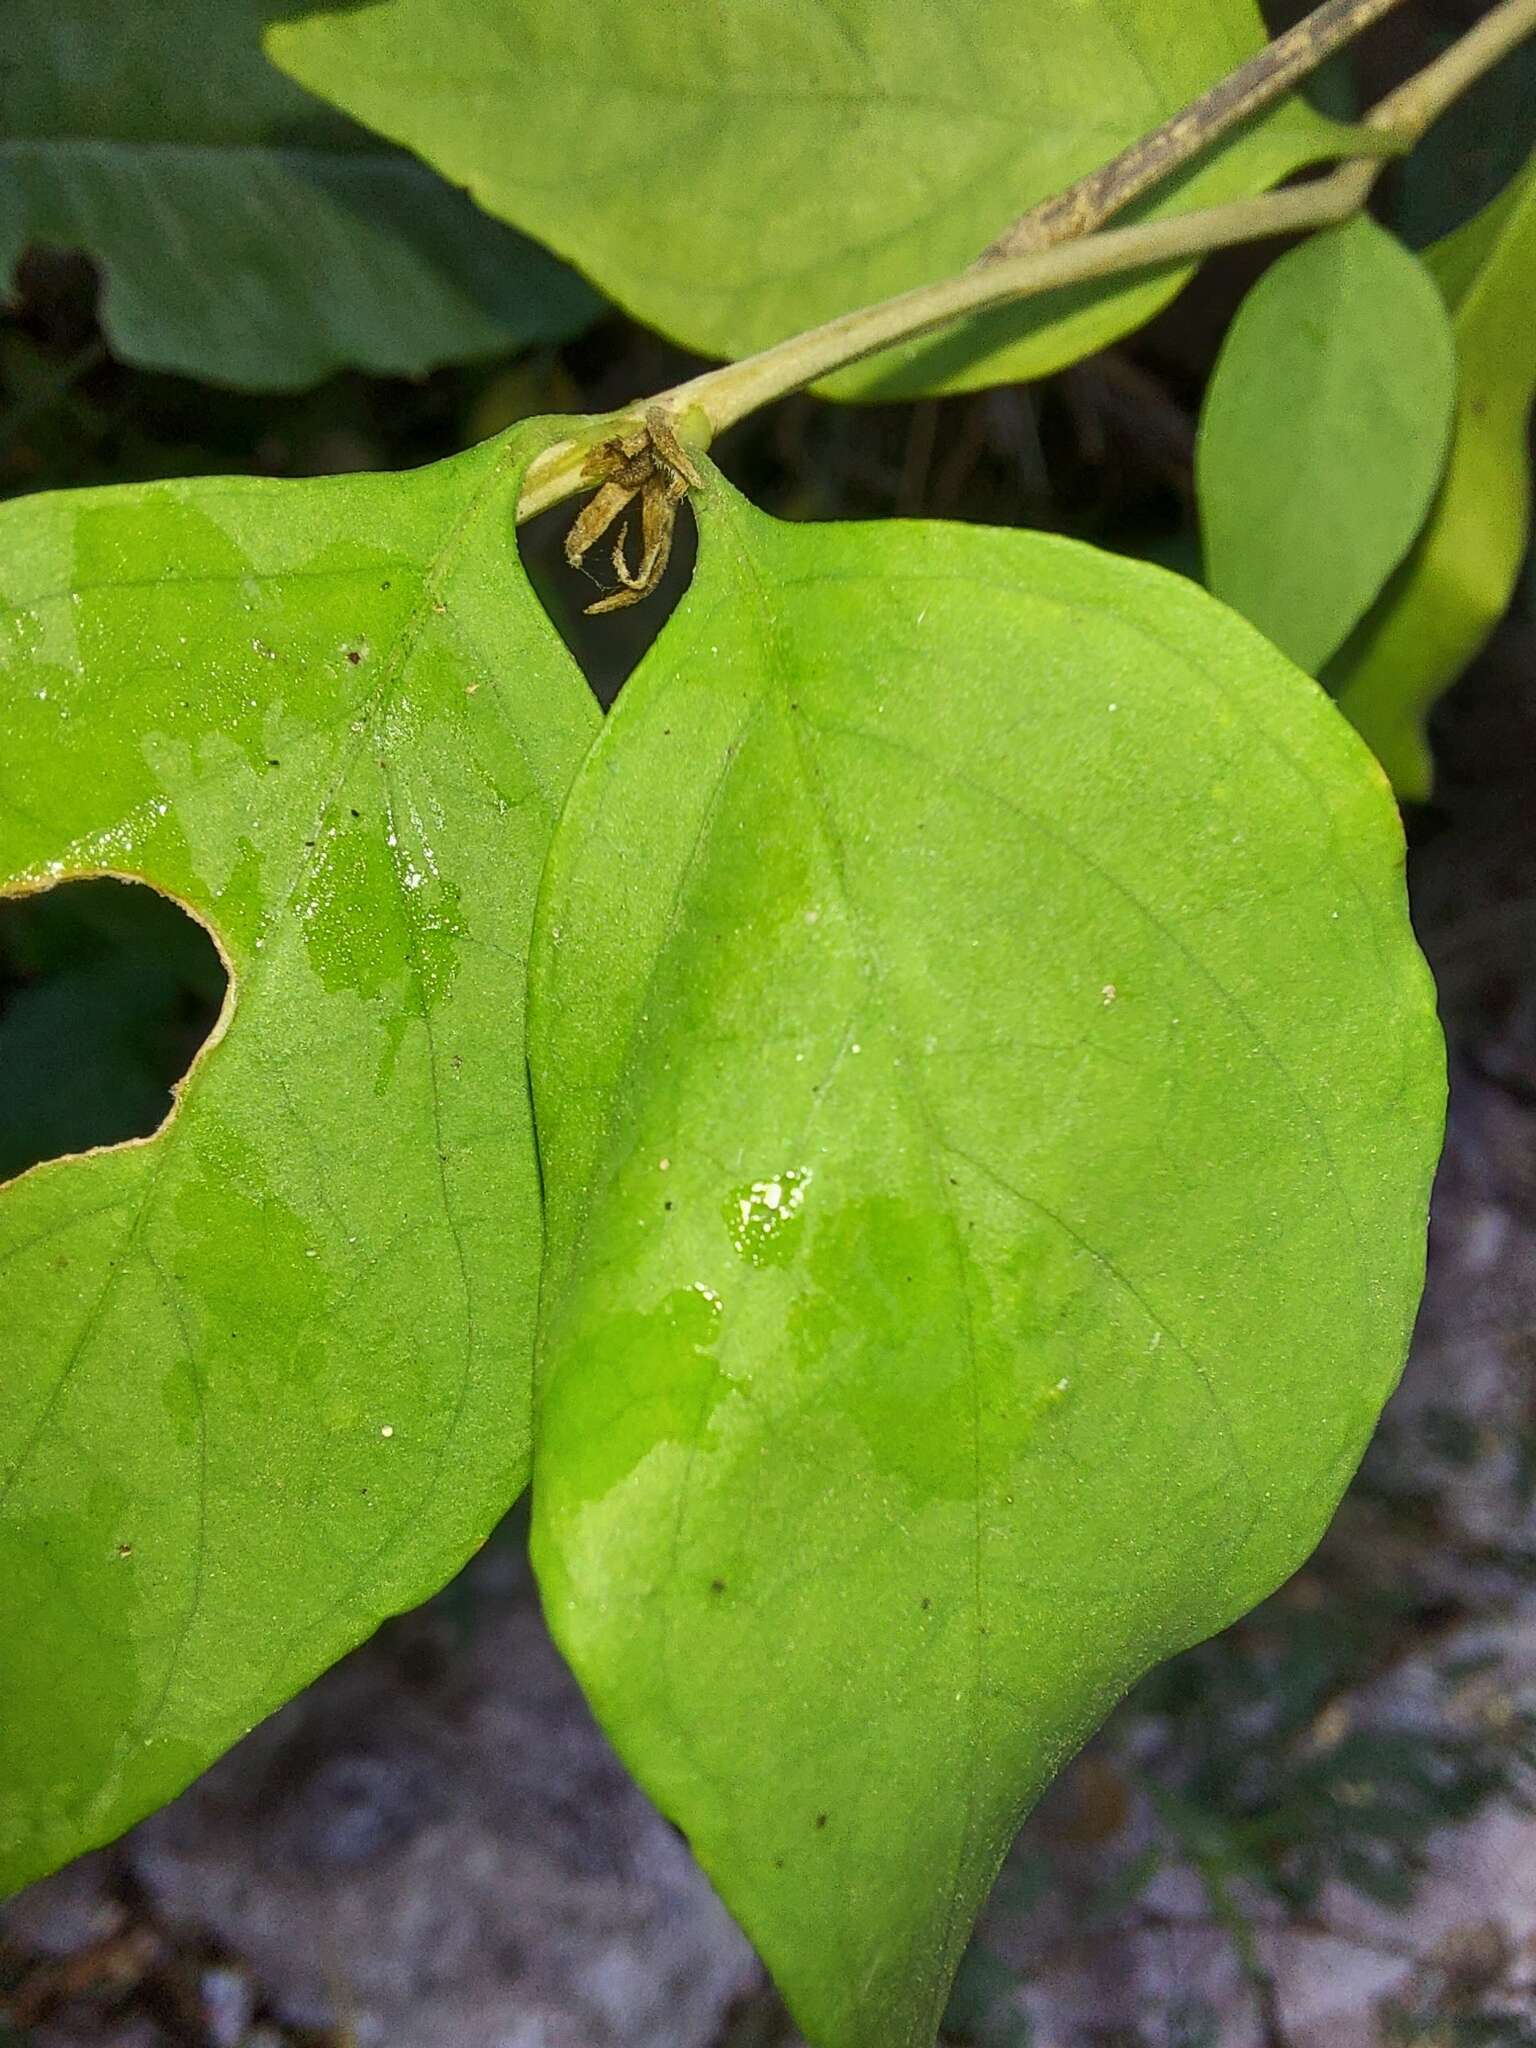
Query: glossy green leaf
x,y
267,1374
735,174
987,1091
1451,592
247,233
1323,436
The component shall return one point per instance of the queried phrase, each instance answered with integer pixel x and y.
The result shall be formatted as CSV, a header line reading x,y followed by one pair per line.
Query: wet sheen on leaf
x,y
267,1374
985,1207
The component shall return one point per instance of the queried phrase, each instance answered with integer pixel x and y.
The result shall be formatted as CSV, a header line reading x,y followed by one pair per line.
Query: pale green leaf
x,y
1453,589
1324,435
247,234
267,1374
987,1092
736,174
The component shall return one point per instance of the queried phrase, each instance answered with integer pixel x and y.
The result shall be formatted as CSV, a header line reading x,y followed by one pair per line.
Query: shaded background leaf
x,y
268,1373
247,233
1323,436
734,176
1451,592
106,992
985,1211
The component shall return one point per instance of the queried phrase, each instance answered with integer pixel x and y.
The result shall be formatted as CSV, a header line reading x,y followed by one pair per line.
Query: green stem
x,y
706,405
1085,206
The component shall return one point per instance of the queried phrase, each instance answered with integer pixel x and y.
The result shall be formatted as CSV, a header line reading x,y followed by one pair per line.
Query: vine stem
x,y
1085,206
1079,251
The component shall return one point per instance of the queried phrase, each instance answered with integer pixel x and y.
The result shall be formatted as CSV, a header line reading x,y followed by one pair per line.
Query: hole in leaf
x,y
107,991
608,648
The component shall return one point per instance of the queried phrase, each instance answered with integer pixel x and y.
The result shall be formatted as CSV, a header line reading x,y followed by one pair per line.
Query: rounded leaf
x,y
987,1091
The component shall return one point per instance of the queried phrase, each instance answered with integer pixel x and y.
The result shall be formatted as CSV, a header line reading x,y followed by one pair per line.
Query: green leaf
x,y
987,1091
1454,587
1323,436
1471,153
248,235
735,175
267,1375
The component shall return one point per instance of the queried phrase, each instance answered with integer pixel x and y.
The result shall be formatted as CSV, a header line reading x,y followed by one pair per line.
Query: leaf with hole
x,y
267,1374
1451,592
1323,436
985,1207
246,232
106,991
744,172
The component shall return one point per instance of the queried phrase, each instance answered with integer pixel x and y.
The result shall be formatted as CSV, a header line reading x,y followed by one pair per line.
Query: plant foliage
x,y
247,233
267,1374
902,1084
1453,589
752,170
1324,436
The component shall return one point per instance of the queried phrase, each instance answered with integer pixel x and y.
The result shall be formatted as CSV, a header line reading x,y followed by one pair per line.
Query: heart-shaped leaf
x,y
267,1374
734,175
247,233
1323,435
1440,607
987,1090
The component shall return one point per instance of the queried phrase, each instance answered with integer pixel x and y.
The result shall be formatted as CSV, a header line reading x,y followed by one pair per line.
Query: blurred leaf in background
x,y
247,234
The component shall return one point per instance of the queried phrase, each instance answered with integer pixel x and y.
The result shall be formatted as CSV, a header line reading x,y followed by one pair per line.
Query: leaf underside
x,y
267,1374
985,1205
735,176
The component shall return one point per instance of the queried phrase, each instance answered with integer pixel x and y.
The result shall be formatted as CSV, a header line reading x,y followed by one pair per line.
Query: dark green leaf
x,y
247,234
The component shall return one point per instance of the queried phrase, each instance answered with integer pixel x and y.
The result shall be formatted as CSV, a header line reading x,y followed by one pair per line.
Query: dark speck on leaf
x,y
273,764
353,656
927,1605
356,813
821,1820
717,1585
